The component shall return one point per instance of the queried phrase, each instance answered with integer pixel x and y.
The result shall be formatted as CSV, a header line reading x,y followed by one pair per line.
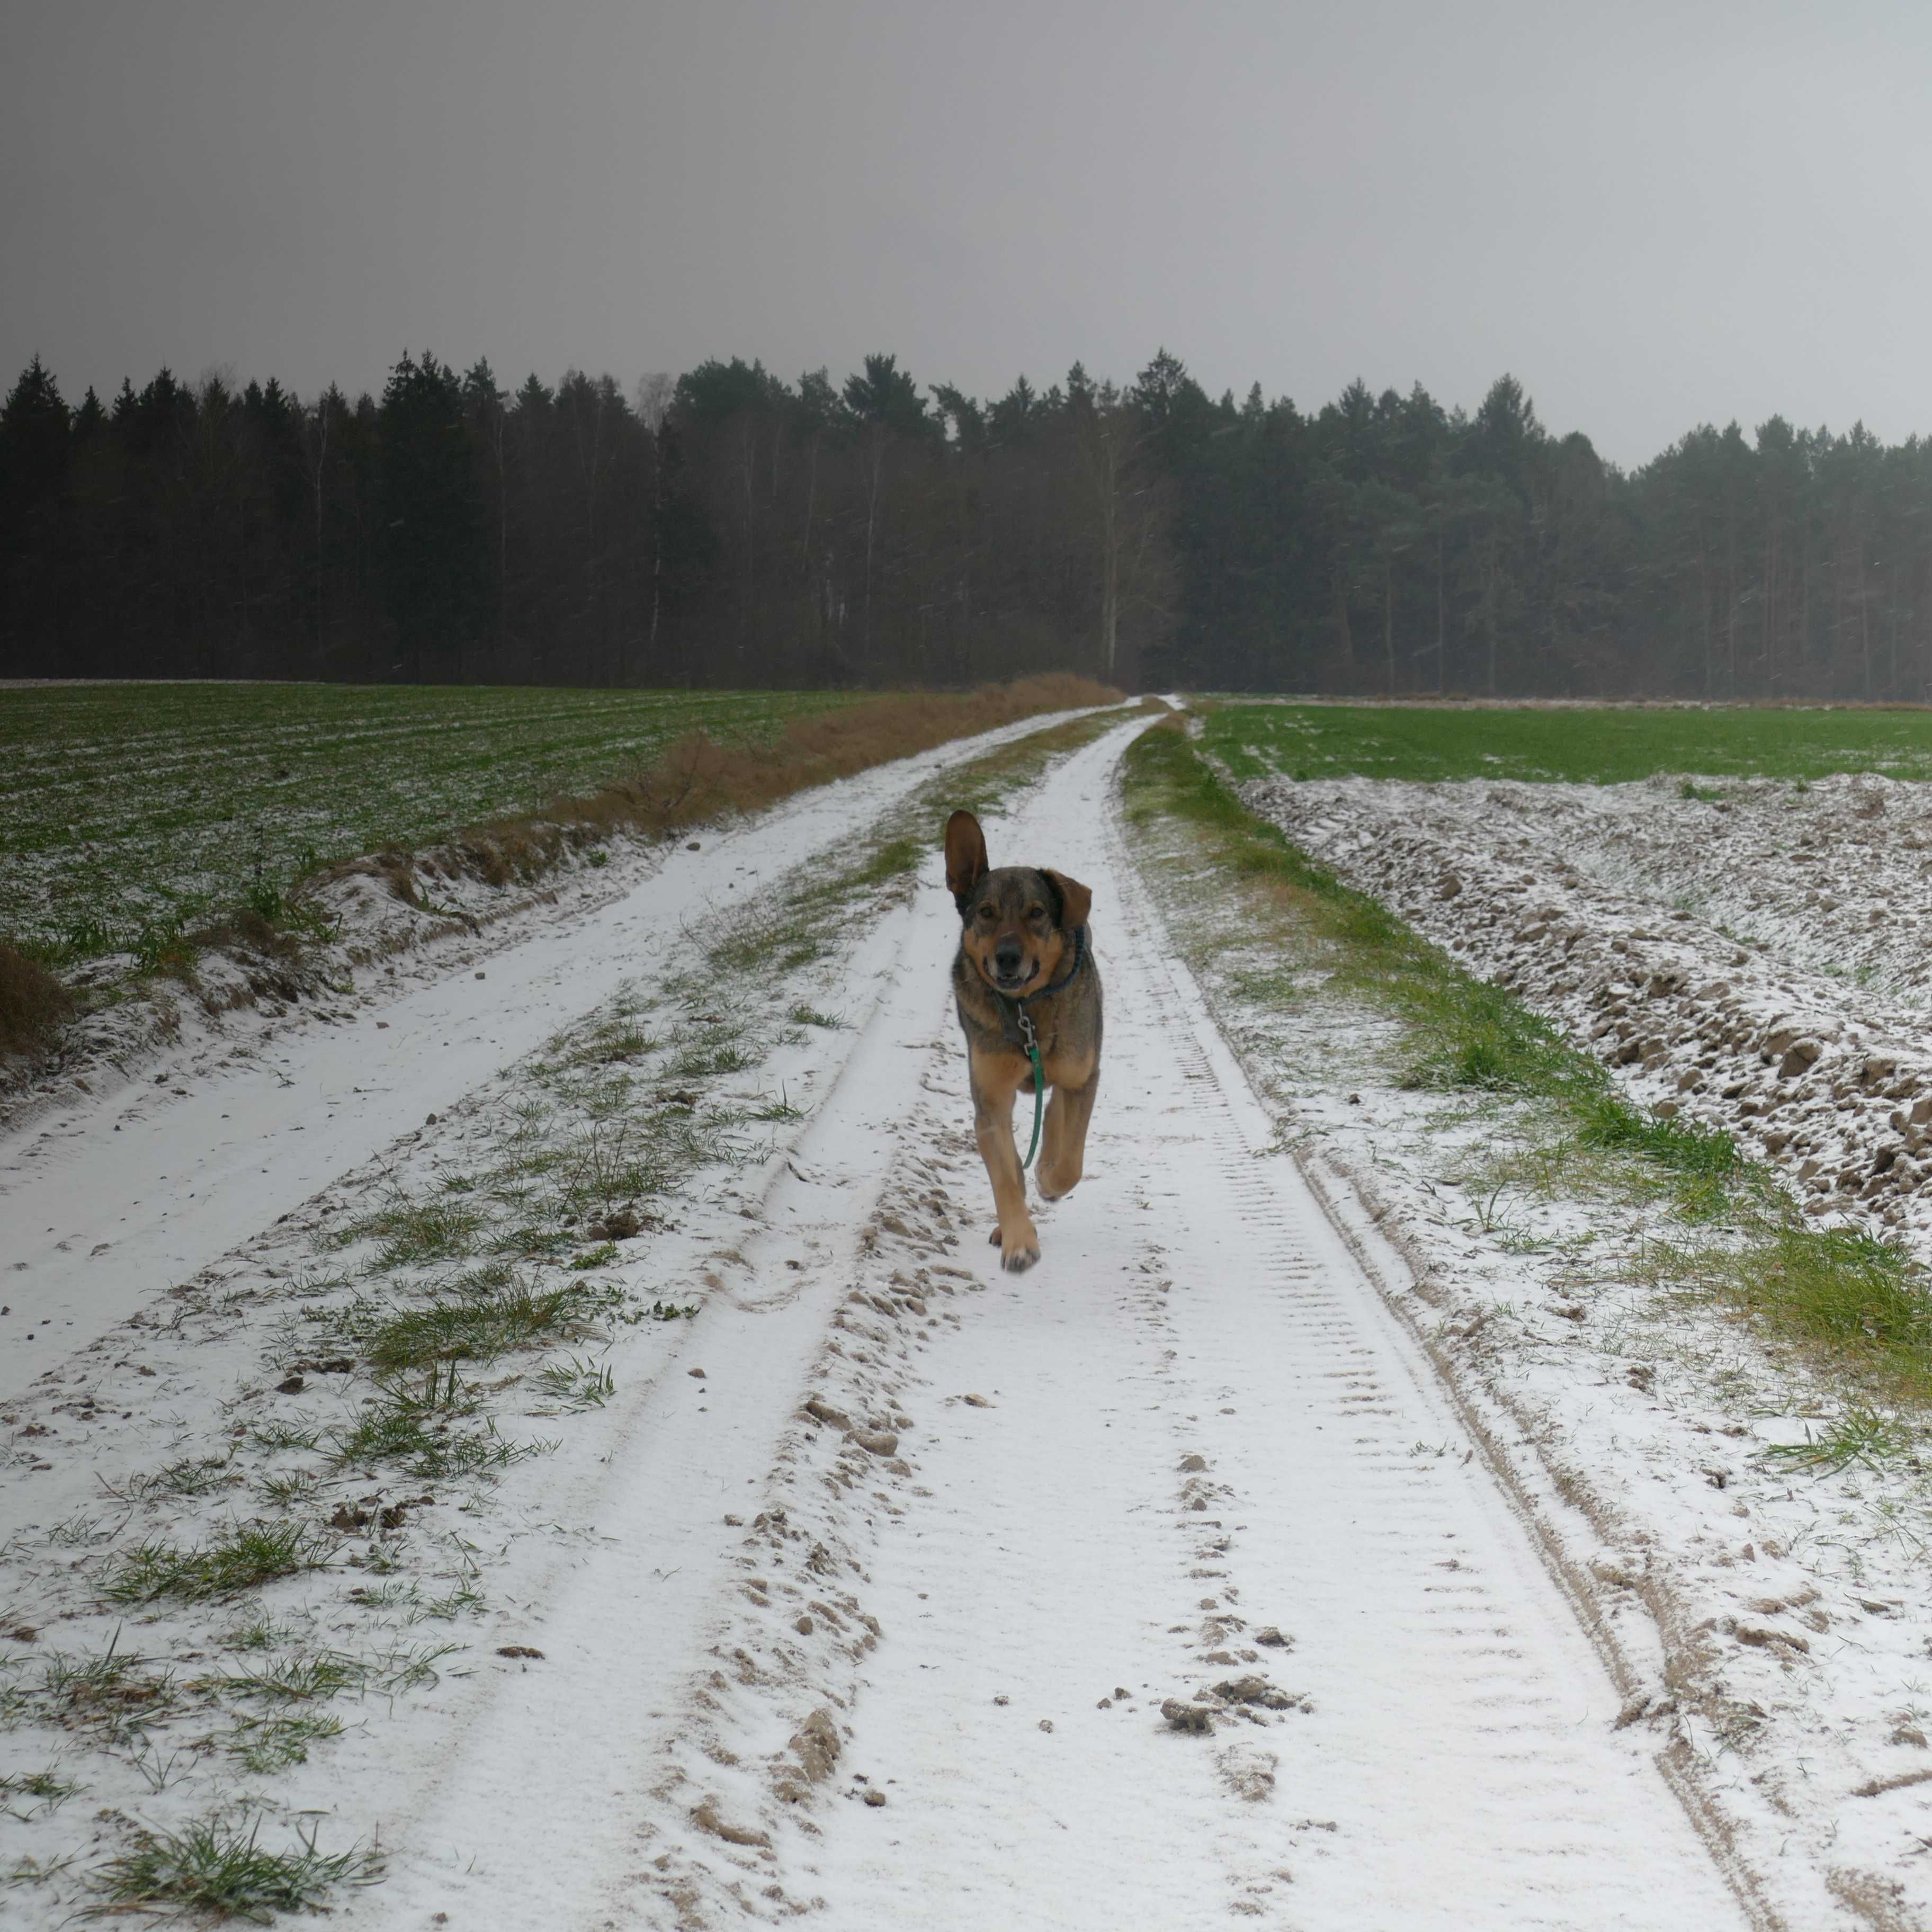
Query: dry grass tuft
x,y
397,872
698,779
33,1003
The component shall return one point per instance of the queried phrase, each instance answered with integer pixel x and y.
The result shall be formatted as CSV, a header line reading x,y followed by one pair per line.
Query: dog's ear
x,y
965,856
1075,900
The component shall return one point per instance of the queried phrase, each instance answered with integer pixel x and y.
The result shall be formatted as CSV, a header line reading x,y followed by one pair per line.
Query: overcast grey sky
x,y
1653,214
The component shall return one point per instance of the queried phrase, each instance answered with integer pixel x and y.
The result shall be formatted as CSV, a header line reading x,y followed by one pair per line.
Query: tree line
x,y
730,528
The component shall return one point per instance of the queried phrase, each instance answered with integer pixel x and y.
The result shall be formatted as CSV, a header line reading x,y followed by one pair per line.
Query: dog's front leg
x,y
1063,1145
993,1127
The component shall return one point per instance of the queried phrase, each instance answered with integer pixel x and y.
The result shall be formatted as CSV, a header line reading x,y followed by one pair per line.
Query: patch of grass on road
x,y
116,1695
429,1430
27,1794
274,1743
413,1232
480,1328
241,1558
1599,745
216,1869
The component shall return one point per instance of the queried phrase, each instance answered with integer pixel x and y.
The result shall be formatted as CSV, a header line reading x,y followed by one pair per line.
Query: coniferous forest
x,y
729,528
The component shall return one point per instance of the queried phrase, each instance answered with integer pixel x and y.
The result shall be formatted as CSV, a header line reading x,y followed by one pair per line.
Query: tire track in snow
x,y
1459,1764
653,1751
590,1754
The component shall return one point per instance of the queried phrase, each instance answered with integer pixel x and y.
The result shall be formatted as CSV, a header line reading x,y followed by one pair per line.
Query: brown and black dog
x,y
1023,962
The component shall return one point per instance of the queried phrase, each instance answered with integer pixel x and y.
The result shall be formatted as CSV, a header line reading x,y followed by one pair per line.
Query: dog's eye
x,y
1036,912
985,912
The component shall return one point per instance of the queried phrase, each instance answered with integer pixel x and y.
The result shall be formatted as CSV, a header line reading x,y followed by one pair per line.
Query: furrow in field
x,y
1757,968
123,804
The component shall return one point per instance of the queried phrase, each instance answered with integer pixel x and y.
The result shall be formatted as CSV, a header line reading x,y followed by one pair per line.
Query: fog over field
x,y
1654,215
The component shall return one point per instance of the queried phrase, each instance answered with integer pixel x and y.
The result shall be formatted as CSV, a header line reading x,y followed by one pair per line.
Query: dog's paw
x,y
1021,1256
1055,1183
993,1239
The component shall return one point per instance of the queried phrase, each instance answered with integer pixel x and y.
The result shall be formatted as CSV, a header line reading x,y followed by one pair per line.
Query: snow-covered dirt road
x,y
1161,1584
1210,1459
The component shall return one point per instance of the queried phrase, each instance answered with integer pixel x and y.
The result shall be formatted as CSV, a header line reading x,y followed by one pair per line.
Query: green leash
x,y
1029,1039
1032,1040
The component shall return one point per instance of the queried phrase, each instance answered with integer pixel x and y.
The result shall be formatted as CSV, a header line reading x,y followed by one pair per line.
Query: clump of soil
x,y
1255,1691
1182,1716
620,1226
816,1745
707,1818
1248,1773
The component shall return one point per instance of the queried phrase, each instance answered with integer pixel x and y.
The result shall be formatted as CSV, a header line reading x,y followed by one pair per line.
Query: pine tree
x,y
433,547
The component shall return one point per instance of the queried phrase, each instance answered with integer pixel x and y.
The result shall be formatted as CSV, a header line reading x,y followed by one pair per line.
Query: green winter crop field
x,y
1605,745
129,809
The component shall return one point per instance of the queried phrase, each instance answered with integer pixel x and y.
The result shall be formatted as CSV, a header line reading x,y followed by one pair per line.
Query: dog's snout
x,y
1006,957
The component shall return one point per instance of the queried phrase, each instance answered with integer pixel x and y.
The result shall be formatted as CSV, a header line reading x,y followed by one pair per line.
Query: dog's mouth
x,y
1012,982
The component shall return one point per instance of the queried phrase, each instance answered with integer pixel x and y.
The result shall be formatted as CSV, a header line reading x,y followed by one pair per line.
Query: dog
x,y
1024,966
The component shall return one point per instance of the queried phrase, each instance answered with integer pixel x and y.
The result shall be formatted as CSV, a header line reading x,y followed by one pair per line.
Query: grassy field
x,y
1591,747
127,809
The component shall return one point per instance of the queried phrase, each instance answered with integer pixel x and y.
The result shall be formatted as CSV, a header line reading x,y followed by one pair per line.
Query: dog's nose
x,y
1006,957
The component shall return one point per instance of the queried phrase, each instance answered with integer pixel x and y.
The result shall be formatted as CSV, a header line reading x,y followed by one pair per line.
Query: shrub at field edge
x,y
33,1003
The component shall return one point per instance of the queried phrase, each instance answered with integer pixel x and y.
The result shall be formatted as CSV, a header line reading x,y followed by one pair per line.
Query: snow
x,y
1450,1760
1753,953
1772,1621
116,1196
918,1521
1052,1561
